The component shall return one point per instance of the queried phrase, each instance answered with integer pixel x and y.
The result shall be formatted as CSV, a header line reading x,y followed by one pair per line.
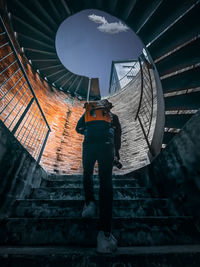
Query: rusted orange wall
x,y
62,153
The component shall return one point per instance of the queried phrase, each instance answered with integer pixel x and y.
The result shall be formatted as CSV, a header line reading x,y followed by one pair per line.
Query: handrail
x,y
21,112
23,70
141,94
145,109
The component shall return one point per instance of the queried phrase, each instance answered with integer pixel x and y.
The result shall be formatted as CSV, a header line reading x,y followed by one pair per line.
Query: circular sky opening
x,y
88,42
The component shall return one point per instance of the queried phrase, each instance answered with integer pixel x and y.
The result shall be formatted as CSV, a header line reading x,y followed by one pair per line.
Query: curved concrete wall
x,y
134,147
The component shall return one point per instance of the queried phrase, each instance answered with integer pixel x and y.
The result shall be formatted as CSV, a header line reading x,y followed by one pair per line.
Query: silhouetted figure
x,y
102,141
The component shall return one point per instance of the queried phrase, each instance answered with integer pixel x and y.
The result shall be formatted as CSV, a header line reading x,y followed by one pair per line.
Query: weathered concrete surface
x,y
130,208
144,231
175,173
162,256
19,172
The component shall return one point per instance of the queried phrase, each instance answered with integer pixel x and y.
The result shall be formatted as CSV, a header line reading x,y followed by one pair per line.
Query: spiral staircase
x,y
169,30
36,233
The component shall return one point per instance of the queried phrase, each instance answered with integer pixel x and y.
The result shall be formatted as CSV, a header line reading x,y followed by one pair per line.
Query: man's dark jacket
x,y
81,129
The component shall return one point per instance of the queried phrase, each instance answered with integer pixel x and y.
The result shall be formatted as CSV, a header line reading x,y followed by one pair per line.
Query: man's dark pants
x,y
104,155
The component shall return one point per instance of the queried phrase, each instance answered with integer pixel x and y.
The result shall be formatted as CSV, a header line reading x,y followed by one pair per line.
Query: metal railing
x,y
144,112
19,108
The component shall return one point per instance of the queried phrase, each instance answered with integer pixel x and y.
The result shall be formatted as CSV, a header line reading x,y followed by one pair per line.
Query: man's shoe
x,y
89,210
106,244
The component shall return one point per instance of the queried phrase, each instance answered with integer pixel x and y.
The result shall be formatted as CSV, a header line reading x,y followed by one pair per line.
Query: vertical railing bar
x,y
149,146
31,129
145,121
144,116
147,89
13,97
151,86
146,105
19,111
4,44
145,102
146,73
40,134
147,99
148,94
29,122
43,146
23,70
22,117
5,94
8,67
10,78
35,138
141,72
33,133
25,122
1,59
15,105
146,80
42,141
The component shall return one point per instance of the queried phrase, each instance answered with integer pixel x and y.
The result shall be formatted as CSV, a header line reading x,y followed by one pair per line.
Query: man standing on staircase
x,y
102,141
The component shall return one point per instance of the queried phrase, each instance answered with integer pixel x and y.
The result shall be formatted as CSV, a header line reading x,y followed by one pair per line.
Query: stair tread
x,y
97,218
78,231
80,200
63,250
71,188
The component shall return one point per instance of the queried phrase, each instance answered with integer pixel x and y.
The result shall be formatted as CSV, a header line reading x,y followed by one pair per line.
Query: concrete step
x,y
163,256
73,208
82,232
55,177
71,183
78,193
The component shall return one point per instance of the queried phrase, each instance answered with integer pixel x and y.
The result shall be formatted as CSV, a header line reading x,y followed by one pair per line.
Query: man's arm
x,y
80,127
118,133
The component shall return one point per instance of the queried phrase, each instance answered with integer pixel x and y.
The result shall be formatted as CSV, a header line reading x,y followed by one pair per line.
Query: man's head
x,y
107,104
101,103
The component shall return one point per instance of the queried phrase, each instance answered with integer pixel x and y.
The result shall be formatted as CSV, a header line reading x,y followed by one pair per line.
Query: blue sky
x,y
87,46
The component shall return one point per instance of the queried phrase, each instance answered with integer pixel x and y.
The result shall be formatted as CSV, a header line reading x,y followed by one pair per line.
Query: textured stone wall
x,y
134,147
19,172
62,153
175,173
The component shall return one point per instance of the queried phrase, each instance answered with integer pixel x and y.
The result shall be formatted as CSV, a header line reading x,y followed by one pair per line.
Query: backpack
x,y
98,121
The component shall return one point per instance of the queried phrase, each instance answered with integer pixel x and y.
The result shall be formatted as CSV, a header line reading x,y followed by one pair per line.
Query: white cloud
x,y
112,28
97,19
106,27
